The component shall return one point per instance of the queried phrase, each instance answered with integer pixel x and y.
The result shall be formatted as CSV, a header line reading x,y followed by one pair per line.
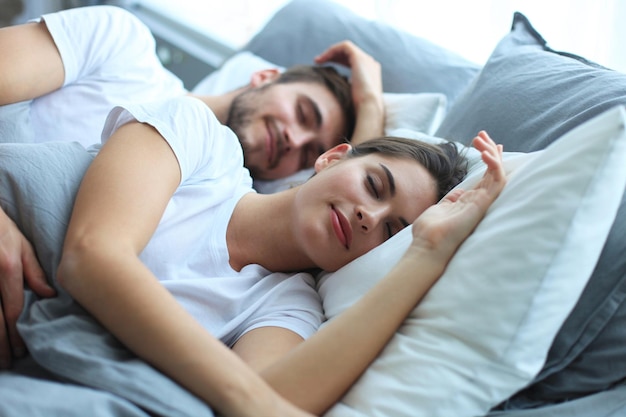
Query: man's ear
x,y
265,76
331,156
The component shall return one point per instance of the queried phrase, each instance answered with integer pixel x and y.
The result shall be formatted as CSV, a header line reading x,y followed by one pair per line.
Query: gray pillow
x,y
304,28
526,96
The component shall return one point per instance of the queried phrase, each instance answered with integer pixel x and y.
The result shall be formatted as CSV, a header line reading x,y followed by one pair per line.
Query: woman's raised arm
x,y
319,371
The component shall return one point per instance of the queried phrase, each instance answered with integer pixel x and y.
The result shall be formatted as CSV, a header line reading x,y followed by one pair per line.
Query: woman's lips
x,y
341,227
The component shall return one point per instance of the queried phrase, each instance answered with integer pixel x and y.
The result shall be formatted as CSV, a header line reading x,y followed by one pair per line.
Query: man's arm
x,y
18,263
31,65
367,90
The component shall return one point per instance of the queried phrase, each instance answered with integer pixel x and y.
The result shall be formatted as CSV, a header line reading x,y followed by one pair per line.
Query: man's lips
x,y
341,227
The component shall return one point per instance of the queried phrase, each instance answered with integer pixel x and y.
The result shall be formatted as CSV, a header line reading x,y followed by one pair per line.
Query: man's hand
x,y
17,263
367,88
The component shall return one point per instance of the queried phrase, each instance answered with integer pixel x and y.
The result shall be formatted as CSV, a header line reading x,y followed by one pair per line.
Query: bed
x,y
528,320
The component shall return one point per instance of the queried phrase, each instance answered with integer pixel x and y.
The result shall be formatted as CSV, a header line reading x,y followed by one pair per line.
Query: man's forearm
x,y
370,121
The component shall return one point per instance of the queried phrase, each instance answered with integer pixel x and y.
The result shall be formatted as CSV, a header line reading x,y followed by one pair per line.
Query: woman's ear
x,y
265,76
332,155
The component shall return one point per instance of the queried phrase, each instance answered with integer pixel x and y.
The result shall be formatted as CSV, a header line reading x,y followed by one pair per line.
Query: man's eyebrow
x,y
316,110
392,182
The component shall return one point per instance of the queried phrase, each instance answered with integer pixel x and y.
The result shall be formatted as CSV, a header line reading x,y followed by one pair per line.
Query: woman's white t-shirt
x,y
188,252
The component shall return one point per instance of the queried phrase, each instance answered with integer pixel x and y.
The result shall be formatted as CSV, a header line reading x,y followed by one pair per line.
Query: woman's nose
x,y
369,217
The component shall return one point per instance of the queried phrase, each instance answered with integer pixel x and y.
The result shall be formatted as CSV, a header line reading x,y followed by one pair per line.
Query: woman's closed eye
x,y
374,187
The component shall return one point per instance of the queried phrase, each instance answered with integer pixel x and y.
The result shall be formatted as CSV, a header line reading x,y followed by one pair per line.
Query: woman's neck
x,y
260,232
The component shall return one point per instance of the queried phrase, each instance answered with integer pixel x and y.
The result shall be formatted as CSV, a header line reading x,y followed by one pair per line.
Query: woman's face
x,y
353,205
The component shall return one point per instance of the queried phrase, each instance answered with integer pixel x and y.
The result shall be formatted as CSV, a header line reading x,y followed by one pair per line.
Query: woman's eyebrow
x,y
392,190
392,182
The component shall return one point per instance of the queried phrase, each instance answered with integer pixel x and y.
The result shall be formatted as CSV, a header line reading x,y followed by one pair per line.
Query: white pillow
x,y
484,330
421,112
234,73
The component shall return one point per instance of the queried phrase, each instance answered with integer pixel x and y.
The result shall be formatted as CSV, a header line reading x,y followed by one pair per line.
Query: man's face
x,y
283,128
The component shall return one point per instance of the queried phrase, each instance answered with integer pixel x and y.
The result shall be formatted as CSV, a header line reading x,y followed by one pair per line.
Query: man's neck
x,y
220,104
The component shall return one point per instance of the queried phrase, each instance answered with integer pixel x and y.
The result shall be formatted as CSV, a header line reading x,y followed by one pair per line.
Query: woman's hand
x,y
367,87
444,226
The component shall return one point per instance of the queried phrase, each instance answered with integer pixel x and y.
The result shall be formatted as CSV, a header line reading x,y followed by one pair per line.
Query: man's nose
x,y
298,138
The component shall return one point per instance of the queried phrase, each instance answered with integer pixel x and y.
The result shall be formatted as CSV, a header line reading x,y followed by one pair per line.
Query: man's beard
x,y
240,116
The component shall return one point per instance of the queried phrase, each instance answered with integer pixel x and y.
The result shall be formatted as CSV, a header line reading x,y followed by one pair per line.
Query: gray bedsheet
x,y
15,124
76,366
609,403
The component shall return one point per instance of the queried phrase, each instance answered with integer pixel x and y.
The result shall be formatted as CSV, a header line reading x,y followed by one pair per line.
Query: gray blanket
x,y
76,366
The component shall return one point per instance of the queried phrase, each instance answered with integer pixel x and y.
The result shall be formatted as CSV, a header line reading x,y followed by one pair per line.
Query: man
x,y
77,65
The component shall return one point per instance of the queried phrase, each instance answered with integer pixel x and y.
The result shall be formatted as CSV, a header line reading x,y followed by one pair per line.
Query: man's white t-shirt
x,y
188,252
109,59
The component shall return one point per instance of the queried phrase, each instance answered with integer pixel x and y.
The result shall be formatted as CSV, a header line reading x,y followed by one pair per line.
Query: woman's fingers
x,y
491,154
446,225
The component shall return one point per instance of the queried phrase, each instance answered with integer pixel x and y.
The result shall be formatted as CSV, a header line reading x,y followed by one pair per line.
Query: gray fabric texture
x,y
49,396
15,124
38,183
609,403
526,97
304,28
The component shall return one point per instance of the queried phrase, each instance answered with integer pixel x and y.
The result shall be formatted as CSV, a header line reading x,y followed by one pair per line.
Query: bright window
x,y
472,28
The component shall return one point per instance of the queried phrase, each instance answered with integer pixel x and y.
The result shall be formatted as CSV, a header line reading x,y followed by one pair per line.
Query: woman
x,y
176,157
